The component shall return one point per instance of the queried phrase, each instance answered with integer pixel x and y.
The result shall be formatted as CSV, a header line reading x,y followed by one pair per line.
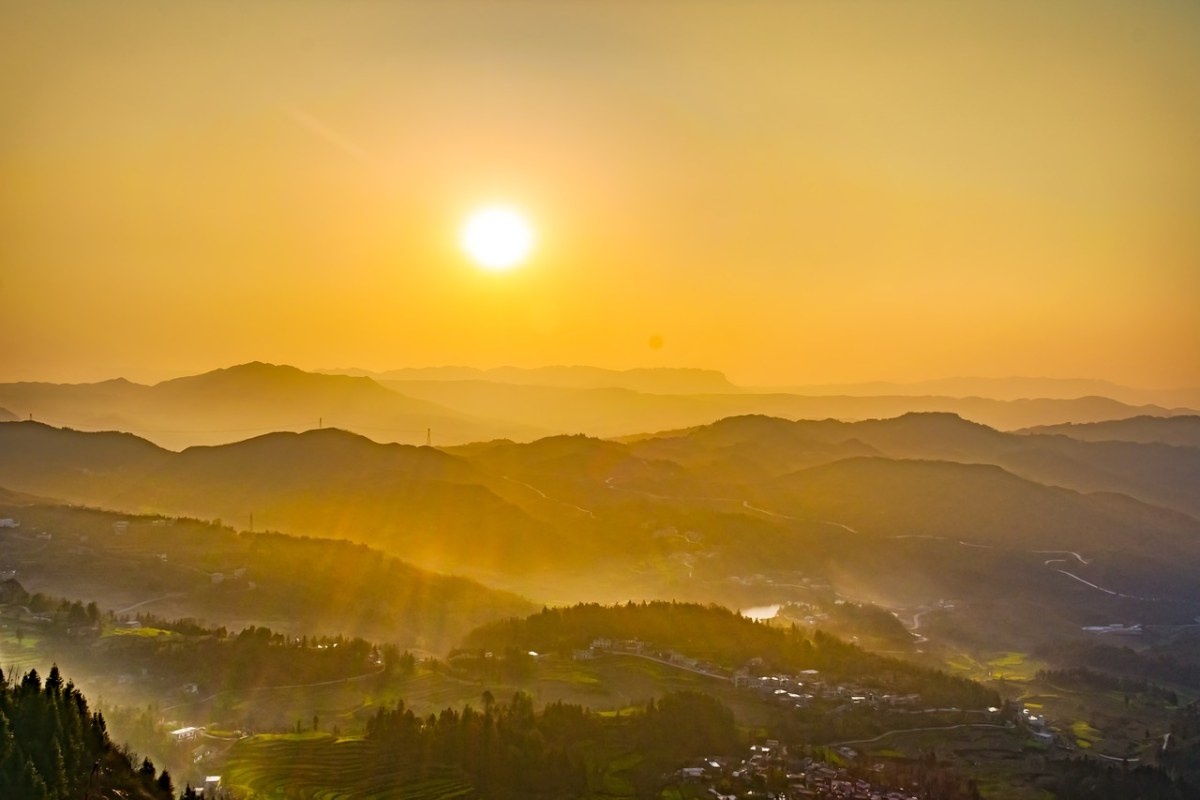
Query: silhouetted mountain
x,y
622,412
746,510
230,404
658,380
192,568
1001,414
596,412
1182,430
1010,388
978,502
1156,473
751,448
418,502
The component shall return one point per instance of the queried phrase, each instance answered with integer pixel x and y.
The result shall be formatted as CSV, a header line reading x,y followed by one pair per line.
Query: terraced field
x,y
320,767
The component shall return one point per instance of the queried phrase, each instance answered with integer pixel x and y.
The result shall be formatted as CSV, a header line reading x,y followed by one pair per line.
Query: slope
x,y
1183,431
429,507
229,404
1155,473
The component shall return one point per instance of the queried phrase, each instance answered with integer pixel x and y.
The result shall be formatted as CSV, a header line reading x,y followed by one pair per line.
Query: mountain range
x,y
902,512
454,405
1182,430
1011,388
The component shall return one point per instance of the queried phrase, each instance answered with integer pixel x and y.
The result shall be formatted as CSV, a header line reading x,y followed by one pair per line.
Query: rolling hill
x,y
188,568
662,380
749,510
458,405
231,404
418,502
1155,473
1183,431
620,411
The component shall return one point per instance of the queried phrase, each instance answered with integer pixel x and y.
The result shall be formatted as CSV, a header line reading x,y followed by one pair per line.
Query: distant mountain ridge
x,y
653,380
417,502
232,403
615,412
1155,473
1011,388
900,512
1181,430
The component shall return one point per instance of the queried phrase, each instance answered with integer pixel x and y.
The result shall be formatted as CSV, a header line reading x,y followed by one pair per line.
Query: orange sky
x,y
789,192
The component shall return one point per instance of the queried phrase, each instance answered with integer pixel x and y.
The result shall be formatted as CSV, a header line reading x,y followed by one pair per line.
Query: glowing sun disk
x,y
497,237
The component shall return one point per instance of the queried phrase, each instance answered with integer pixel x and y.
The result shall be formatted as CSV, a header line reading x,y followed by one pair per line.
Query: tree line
x,y
53,747
728,639
509,750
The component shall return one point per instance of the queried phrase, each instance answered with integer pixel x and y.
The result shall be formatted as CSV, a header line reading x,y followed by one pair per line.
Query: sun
x,y
497,238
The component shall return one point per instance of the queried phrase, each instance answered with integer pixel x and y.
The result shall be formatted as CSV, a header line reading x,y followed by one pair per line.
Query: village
x,y
798,691
770,771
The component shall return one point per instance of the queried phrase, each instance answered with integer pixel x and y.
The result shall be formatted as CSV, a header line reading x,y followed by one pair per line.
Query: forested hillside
x,y
52,747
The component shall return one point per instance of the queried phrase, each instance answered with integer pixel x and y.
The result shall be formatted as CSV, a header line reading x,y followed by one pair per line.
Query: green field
x,y
322,767
1008,665
1002,760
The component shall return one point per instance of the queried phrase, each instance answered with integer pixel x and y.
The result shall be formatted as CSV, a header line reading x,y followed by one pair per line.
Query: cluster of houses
x,y
769,772
1036,724
791,691
798,691
1116,629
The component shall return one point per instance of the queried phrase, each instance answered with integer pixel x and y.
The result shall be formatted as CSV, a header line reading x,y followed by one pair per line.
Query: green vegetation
x,y
828,520
326,767
1181,749
1085,779
191,568
1092,680
53,748
505,750
729,640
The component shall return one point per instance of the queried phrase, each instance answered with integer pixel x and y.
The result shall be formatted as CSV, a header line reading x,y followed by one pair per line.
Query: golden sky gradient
x,y
791,192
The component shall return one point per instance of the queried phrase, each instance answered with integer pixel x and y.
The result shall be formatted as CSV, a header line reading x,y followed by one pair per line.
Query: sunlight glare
x,y
497,238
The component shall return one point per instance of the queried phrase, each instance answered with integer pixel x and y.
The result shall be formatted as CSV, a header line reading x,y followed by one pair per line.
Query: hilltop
x,y
456,405
660,380
206,570
230,404
900,512
1183,431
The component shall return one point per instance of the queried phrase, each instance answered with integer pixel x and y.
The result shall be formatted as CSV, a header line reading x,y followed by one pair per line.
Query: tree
x,y
54,681
164,783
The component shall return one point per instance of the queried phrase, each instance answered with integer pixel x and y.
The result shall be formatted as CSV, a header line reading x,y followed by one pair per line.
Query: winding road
x,y
545,496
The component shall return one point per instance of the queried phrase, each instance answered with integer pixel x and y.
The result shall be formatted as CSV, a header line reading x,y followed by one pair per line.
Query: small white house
x,y
185,734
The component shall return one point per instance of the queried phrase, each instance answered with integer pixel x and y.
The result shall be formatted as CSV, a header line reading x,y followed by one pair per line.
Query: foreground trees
x,y
53,748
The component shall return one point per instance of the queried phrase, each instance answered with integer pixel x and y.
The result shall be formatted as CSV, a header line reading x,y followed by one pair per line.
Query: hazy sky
x,y
787,191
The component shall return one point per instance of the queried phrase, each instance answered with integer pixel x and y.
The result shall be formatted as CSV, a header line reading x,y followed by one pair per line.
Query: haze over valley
x,y
595,401
927,535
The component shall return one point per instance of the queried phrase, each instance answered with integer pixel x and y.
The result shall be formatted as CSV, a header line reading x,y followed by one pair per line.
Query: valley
x,y
1003,601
